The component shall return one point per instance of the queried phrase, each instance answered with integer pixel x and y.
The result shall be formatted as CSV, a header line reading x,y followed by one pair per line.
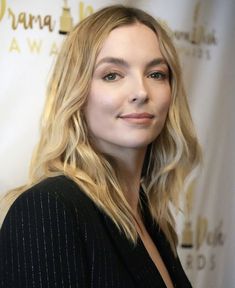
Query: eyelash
x,y
105,77
163,76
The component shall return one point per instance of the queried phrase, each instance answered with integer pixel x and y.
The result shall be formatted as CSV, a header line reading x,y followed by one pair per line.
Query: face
x,y
130,91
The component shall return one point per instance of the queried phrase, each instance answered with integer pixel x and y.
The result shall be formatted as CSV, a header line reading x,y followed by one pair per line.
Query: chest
x,y
155,257
113,261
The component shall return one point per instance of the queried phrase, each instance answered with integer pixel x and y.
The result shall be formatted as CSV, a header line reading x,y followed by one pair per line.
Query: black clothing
x,y
55,236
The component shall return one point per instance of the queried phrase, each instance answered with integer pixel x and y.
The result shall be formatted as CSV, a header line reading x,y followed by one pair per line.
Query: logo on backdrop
x,y
202,234
66,20
28,21
198,41
195,42
199,33
2,8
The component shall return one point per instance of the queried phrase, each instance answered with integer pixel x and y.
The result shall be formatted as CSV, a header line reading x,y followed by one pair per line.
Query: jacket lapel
x,y
171,262
135,258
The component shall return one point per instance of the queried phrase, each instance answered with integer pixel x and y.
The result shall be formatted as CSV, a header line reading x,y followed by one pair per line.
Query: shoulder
x,y
59,188
43,235
56,195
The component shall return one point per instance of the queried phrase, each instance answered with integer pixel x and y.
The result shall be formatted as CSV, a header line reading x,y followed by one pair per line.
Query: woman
x,y
117,141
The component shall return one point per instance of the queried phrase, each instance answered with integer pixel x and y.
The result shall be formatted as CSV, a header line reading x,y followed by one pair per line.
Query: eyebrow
x,y
122,62
156,62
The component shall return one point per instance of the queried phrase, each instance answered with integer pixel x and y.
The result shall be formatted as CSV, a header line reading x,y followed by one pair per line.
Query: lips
x,y
137,116
138,119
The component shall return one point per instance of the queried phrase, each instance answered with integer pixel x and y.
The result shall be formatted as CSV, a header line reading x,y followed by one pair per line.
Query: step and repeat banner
x,y
31,33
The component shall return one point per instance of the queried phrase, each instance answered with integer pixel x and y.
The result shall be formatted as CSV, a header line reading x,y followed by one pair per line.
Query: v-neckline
x,y
158,238
137,258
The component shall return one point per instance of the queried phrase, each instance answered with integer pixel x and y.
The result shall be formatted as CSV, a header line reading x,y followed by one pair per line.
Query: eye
x,y
158,75
112,76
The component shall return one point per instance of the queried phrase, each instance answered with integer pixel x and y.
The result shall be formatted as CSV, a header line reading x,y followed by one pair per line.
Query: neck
x,y
129,168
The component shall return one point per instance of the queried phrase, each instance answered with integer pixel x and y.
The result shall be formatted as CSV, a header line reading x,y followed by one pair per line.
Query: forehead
x,y
131,41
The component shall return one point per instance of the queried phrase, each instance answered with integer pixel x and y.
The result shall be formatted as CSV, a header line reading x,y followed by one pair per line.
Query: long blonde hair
x,y
64,146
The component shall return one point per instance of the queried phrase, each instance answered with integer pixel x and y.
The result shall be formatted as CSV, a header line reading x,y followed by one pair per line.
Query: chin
x,y
139,144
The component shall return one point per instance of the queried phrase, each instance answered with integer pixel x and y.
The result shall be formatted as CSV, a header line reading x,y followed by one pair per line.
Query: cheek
x,y
103,100
100,108
164,101
167,102
99,105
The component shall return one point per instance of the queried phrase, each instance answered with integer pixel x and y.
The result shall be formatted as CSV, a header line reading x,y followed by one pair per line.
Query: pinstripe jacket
x,y
55,236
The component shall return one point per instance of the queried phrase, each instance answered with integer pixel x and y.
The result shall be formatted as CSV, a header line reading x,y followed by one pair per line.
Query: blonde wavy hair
x,y
64,147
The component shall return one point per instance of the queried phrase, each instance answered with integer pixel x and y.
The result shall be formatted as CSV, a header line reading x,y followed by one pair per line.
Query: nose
x,y
139,92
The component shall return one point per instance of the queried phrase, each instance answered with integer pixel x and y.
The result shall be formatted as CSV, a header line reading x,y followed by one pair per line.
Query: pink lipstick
x,y
138,118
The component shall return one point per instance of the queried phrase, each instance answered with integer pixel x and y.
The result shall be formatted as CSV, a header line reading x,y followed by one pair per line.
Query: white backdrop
x,y
204,33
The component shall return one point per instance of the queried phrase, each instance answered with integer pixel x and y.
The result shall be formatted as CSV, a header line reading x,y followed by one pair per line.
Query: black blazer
x,y
55,236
